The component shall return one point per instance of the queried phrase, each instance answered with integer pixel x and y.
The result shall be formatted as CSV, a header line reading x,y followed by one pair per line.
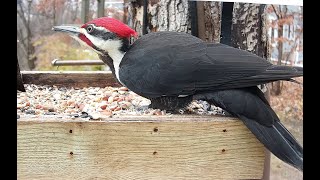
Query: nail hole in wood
x,y
155,129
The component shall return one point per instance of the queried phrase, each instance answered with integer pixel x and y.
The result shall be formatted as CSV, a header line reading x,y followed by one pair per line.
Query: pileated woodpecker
x,y
174,68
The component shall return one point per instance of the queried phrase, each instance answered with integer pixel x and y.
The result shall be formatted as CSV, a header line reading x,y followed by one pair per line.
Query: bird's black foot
x,y
170,104
227,114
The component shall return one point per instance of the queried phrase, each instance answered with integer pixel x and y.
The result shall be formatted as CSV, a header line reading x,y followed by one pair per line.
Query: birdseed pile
x,y
93,103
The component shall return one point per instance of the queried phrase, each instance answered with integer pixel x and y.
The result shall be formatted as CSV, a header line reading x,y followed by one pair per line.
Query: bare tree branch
x,y
294,46
20,13
20,34
286,10
280,11
75,14
42,14
54,12
23,18
275,11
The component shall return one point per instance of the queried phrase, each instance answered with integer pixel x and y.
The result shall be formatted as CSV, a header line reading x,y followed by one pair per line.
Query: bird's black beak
x,y
73,30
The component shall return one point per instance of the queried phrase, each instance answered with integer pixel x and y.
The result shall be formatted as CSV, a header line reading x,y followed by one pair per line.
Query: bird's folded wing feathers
x,y
188,65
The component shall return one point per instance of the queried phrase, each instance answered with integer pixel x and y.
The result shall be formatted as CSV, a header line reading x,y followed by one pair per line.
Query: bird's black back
x,y
173,63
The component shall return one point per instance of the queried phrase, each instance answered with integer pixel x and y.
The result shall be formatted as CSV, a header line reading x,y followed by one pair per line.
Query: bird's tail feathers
x,y
279,141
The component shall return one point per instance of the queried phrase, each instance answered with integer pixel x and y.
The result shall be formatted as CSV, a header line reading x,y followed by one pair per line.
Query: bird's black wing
x,y
240,68
172,64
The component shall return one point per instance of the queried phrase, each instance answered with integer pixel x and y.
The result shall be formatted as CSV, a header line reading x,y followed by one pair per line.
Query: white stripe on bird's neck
x,y
116,56
112,47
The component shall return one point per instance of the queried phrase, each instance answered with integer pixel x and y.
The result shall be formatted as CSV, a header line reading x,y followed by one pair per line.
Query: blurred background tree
x,y
38,45
286,37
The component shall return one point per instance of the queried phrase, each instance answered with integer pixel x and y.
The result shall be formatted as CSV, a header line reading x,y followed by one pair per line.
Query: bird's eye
x,y
89,29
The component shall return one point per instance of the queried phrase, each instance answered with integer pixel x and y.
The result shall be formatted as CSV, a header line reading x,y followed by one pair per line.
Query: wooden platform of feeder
x,y
138,147
133,147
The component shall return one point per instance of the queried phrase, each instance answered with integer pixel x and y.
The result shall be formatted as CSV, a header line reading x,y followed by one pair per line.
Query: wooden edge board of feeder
x,y
70,78
131,118
138,147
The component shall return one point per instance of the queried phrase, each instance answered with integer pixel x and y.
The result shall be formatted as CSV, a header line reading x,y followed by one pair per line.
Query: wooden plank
x,y
194,18
226,23
70,78
145,17
201,20
209,20
142,147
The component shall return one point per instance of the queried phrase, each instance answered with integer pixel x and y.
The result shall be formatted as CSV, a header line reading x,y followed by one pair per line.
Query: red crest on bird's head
x,y
114,26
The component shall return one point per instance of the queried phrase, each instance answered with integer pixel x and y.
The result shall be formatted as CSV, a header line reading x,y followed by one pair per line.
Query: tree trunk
x,y
54,12
174,15
20,86
25,48
280,44
209,19
135,15
249,30
22,54
276,86
162,15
